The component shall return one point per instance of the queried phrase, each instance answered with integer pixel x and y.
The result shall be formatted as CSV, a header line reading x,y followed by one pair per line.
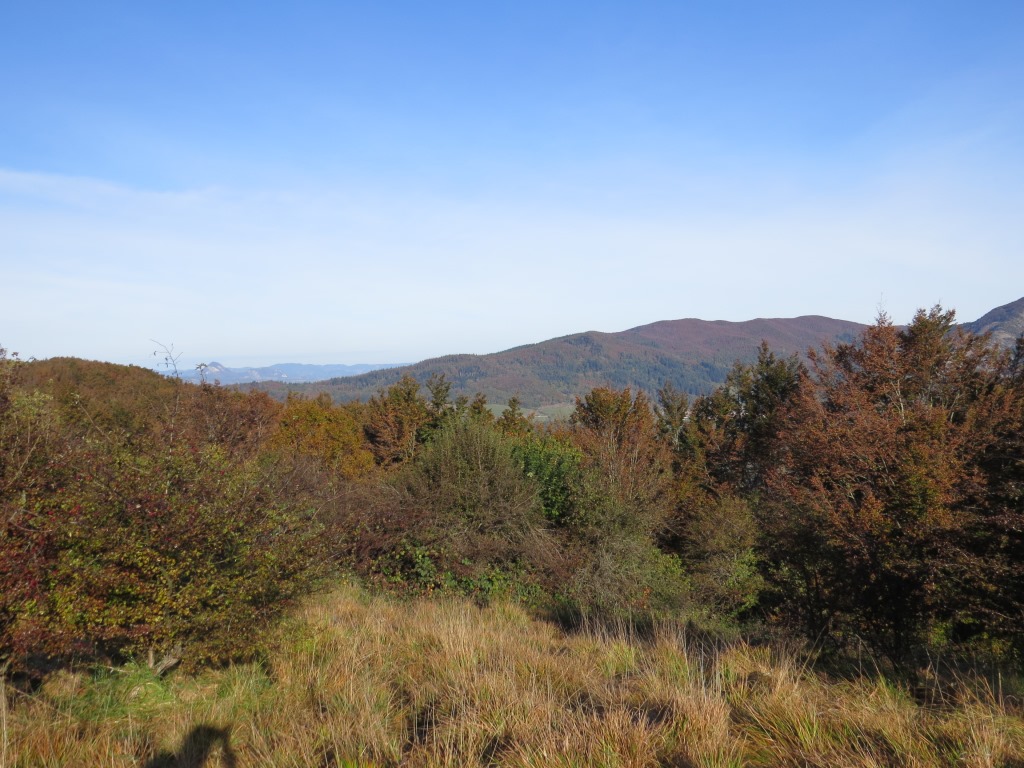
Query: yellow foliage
x,y
318,430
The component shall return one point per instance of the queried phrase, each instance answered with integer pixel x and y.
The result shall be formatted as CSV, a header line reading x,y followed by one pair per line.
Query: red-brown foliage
x,y
868,516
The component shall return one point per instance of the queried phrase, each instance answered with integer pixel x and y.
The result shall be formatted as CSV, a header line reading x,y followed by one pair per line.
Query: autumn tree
x,y
148,527
27,432
394,420
317,430
156,549
874,481
512,420
989,569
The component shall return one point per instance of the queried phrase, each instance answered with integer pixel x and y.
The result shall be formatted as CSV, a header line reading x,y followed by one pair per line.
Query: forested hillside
x,y
693,355
1005,323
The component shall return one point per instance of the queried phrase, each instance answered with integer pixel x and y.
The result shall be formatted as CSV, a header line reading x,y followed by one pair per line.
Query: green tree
x,y
478,411
556,464
731,433
620,505
673,410
989,566
619,438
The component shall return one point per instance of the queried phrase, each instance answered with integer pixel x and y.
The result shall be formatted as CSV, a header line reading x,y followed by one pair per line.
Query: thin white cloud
x,y
96,269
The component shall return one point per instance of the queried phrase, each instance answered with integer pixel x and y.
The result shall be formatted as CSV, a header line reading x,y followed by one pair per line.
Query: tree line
x,y
870,497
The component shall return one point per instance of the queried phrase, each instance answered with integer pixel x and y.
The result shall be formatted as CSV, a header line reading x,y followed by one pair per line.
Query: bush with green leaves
x,y
115,544
481,506
717,541
185,547
555,464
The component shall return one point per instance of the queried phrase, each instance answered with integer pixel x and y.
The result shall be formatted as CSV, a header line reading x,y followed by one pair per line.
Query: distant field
x,y
554,412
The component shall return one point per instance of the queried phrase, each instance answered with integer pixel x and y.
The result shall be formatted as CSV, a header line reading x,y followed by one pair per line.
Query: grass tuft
x,y
354,680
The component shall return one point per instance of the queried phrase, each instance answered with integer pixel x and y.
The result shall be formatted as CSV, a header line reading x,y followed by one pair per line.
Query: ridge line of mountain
x,y
693,355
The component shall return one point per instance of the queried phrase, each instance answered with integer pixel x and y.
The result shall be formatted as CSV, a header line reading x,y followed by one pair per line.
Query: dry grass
x,y
358,681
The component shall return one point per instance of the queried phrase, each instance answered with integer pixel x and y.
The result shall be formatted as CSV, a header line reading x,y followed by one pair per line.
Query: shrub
x,y
182,548
717,543
477,504
330,436
114,542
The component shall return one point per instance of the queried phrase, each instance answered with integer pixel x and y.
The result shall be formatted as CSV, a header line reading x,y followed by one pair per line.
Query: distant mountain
x,y
285,372
1005,323
694,355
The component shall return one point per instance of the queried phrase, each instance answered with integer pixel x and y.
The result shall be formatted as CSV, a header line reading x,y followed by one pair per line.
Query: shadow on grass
x,y
196,749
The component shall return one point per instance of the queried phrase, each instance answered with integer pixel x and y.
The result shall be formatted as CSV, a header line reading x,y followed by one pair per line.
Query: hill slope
x,y
694,355
1005,323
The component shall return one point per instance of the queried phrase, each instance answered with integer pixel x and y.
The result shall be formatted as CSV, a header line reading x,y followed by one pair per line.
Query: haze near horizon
x,y
326,183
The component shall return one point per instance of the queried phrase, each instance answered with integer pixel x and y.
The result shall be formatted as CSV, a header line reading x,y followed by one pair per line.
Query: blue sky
x,y
374,182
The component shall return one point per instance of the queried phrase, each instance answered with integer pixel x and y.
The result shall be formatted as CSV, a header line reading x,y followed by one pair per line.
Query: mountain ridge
x,y
692,354
1005,323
